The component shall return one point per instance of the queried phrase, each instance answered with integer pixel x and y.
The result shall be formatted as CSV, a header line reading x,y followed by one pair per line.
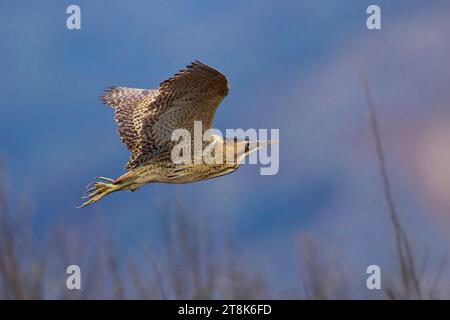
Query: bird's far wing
x,y
130,105
191,95
118,96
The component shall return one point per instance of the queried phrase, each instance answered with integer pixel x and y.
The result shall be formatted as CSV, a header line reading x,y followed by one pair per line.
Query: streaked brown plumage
x,y
146,120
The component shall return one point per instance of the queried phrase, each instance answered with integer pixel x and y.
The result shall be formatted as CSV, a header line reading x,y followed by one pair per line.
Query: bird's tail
x,y
101,187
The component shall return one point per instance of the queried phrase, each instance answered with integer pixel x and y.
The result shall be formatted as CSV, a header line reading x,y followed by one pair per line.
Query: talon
x,y
94,188
105,179
89,190
90,185
96,192
86,203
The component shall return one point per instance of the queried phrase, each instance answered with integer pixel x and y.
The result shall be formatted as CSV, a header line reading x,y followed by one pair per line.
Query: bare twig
x,y
407,262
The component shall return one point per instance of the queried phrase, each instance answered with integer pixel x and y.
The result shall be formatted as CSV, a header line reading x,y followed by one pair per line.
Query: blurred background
x,y
309,231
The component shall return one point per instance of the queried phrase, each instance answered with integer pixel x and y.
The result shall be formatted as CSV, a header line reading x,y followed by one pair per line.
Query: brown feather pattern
x,y
147,118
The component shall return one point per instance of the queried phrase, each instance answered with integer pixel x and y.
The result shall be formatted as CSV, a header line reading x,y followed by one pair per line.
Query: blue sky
x,y
292,65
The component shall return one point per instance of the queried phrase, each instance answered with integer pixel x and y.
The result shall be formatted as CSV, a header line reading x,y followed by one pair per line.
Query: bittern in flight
x,y
146,120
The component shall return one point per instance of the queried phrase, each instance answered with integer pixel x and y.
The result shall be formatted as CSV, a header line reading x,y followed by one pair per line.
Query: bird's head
x,y
244,147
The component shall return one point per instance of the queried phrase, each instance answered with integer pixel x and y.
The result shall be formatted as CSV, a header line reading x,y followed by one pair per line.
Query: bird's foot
x,y
98,189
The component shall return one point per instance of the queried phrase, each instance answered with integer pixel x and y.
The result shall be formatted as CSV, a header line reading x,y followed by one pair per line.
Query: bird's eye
x,y
247,146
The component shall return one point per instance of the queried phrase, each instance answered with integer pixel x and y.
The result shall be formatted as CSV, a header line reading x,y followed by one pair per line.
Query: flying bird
x,y
146,120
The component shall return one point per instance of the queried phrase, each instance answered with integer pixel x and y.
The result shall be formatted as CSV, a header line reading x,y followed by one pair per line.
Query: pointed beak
x,y
262,144
252,146
256,145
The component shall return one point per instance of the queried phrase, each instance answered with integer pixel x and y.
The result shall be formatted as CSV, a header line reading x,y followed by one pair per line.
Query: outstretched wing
x,y
130,105
147,118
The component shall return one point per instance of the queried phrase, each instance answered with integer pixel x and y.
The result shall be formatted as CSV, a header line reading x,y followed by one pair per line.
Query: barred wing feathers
x,y
147,118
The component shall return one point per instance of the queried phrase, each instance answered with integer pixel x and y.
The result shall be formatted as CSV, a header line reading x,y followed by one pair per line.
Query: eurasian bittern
x,y
147,118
